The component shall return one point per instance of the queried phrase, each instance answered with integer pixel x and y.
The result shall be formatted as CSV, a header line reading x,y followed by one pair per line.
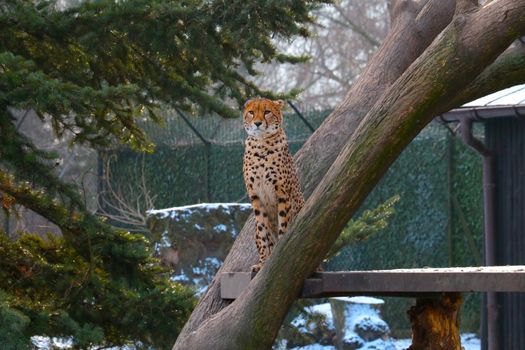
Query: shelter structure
x,y
503,151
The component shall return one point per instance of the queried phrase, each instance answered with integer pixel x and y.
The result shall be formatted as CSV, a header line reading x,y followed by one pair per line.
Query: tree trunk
x,y
470,43
435,323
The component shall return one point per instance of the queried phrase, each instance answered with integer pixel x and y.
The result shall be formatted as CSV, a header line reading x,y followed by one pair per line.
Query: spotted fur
x,y
269,174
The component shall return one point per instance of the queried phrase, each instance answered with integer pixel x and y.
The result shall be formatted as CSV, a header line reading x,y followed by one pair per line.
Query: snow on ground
x,y
220,227
46,343
468,341
359,312
323,309
42,343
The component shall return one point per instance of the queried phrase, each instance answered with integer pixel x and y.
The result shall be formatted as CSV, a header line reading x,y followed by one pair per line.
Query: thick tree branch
x,y
468,45
410,34
507,70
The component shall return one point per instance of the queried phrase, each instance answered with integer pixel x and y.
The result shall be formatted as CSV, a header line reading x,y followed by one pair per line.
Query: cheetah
x,y
269,174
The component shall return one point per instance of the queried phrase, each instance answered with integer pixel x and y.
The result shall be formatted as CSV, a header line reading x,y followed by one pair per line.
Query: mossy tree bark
x,y
411,79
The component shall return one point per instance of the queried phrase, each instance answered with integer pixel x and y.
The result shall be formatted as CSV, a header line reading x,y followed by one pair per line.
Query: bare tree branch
x,y
349,23
345,37
126,207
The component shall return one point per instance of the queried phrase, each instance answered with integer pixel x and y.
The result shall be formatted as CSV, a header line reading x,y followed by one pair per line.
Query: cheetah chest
x,y
264,175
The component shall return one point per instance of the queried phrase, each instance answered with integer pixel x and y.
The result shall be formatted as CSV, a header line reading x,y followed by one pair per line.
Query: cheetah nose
x,y
257,124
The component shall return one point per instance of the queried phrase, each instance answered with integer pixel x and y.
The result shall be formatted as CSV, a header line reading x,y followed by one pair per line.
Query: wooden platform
x,y
402,282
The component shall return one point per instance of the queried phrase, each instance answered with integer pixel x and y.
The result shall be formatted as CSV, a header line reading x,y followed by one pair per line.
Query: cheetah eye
x,y
266,112
250,113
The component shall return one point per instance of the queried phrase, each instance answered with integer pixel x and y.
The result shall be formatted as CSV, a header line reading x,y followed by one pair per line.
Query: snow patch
x,y
180,278
220,228
315,347
361,300
364,328
43,343
323,309
163,213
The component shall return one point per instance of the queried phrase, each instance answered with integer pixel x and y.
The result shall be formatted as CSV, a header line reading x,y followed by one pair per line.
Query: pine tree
x,y
92,71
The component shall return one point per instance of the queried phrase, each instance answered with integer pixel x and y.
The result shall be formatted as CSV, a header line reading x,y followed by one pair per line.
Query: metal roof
x,y
505,103
511,96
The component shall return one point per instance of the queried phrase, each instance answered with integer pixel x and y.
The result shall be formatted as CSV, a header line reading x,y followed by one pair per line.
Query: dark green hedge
x,y
184,170
433,169
182,175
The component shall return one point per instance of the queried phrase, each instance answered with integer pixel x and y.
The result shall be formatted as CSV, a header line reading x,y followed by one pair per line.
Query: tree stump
x,y
358,320
435,323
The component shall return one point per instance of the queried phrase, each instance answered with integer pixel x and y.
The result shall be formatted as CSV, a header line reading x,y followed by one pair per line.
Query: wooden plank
x,y
401,282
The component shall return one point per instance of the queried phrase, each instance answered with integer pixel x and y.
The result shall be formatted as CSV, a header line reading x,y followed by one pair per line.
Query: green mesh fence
x,y
438,221
185,169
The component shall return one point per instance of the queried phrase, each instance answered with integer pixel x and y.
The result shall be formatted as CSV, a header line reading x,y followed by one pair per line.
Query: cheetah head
x,y
262,117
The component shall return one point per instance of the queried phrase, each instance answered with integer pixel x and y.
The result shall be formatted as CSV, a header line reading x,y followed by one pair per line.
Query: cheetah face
x,y
262,117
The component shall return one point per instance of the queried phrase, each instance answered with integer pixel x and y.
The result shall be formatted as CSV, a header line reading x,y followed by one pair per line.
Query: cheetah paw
x,y
256,267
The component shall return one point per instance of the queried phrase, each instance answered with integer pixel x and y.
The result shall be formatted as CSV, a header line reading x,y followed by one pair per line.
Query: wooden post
x,y
435,323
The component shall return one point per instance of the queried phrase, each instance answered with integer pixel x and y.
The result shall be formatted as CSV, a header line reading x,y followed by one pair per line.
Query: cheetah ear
x,y
248,101
280,103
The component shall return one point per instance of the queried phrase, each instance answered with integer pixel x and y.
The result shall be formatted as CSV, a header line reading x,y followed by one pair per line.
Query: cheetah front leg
x,y
263,236
284,206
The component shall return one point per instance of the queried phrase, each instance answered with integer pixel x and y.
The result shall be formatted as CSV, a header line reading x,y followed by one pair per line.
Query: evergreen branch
x,y
32,164
68,221
51,287
91,115
84,231
360,229
193,47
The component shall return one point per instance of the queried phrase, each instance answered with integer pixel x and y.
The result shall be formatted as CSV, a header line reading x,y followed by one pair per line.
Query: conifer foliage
x,y
92,71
